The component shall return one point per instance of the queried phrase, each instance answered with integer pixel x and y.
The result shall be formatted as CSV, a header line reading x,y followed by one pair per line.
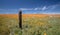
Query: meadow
x,y
32,24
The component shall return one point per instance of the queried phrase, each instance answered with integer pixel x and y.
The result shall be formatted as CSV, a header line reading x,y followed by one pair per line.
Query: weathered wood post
x,y
20,19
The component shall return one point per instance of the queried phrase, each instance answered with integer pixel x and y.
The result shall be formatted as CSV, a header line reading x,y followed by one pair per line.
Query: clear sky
x,y
30,6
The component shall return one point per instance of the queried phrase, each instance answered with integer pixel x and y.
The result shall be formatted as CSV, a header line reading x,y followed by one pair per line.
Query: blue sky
x,y
30,6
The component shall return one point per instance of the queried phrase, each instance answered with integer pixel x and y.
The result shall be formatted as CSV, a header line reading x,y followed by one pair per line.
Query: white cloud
x,y
26,9
53,6
41,8
44,8
37,8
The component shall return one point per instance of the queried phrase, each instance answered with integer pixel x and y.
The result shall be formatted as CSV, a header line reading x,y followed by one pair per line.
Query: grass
x,y
32,25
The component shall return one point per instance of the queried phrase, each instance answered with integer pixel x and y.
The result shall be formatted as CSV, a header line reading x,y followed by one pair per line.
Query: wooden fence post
x,y
20,19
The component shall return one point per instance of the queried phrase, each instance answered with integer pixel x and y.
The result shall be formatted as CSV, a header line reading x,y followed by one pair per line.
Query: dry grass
x,y
33,24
